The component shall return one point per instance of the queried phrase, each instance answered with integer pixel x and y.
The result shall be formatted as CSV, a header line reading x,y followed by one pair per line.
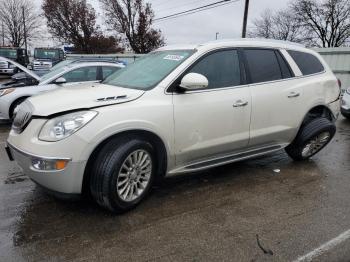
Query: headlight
x,y
64,126
4,92
11,66
348,90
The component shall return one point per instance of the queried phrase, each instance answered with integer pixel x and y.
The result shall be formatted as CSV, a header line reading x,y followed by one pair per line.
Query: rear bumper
x,y
335,108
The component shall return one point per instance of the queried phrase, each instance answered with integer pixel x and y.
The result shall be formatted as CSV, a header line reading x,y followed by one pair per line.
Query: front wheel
x,y
311,139
123,174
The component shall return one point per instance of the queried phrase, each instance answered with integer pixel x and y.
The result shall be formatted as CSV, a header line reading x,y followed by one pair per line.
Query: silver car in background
x,y
63,76
345,104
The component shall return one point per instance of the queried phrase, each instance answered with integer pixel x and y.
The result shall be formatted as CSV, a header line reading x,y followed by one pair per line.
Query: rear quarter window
x,y
307,63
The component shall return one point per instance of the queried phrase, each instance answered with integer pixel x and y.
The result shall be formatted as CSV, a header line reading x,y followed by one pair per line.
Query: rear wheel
x,y
123,174
311,139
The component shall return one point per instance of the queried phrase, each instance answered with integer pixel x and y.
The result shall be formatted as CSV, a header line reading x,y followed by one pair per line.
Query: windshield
x,y
46,54
52,73
8,53
146,72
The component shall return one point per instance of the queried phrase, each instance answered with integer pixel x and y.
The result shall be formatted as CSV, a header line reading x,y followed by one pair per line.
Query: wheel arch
x,y
155,140
24,97
320,110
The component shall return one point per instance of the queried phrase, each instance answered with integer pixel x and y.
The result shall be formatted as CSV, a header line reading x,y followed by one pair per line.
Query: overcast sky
x,y
202,26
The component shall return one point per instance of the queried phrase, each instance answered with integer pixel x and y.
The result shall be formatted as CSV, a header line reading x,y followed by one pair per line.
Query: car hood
x,y
81,96
22,68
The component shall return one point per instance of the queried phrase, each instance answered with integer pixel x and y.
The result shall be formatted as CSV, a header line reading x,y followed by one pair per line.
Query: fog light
x,y
49,165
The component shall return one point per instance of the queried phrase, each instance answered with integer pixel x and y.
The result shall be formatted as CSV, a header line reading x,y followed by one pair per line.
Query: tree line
x,y
128,24
320,23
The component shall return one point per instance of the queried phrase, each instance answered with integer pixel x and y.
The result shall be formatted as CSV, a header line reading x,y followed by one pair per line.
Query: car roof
x,y
239,42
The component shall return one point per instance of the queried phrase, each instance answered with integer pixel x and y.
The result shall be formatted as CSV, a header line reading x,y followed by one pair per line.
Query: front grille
x,y
43,66
23,114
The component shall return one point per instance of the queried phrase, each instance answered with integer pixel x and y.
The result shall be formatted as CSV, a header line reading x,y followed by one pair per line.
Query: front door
x,y
213,121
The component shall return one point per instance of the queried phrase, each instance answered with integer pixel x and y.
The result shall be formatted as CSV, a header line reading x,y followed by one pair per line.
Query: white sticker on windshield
x,y
174,57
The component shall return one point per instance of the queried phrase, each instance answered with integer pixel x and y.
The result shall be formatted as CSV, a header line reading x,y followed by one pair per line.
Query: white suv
x,y
176,110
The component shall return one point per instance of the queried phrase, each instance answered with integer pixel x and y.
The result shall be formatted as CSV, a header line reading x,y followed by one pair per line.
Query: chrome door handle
x,y
240,103
293,94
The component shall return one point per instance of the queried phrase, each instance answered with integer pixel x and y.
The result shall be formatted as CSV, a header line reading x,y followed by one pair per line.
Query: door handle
x,y
293,94
240,103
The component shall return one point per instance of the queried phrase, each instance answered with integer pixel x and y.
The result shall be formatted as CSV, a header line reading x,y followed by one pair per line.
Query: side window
x,y
81,74
285,69
307,63
221,68
263,65
108,70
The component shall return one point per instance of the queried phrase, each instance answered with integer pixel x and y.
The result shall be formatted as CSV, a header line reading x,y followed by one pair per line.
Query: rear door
x,y
213,121
277,98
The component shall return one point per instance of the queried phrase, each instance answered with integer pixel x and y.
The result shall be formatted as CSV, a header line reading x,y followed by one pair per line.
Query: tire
x,y
311,139
109,169
14,105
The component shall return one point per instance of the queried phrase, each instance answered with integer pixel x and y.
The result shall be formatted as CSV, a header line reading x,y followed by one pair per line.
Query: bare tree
x,y
11,15
100,44
281,25
327,21
262,26
134,19
74,21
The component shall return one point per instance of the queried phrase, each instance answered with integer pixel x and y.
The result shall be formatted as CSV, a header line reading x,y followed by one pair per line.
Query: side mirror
x,y
60,81
194,81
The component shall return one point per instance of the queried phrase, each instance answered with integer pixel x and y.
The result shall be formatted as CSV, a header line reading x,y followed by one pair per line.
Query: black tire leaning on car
x,y
310,132
107,168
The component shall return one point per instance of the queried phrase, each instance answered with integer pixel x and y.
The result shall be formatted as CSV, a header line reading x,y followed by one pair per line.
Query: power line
x,y
197,9
177,6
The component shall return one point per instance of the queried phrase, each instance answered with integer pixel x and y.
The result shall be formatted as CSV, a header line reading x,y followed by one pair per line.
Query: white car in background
x,y
345,104
11,97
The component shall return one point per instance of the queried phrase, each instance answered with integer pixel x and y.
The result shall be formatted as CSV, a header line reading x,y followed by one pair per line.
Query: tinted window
x,y
263,65
108,70
81,74
221,69
307,63
286,72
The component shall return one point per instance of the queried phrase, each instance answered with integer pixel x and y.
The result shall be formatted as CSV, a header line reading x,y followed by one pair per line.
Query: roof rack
x,y
265,40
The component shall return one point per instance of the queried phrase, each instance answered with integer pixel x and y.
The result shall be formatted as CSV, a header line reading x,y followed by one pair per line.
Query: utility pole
x,y
216,36
245,19
24,29
3,33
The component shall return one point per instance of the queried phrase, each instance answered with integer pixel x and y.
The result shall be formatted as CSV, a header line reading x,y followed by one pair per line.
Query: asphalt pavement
x,y
266,209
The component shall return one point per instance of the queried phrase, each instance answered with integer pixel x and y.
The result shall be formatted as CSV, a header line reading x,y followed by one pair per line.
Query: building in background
x,y
338,58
